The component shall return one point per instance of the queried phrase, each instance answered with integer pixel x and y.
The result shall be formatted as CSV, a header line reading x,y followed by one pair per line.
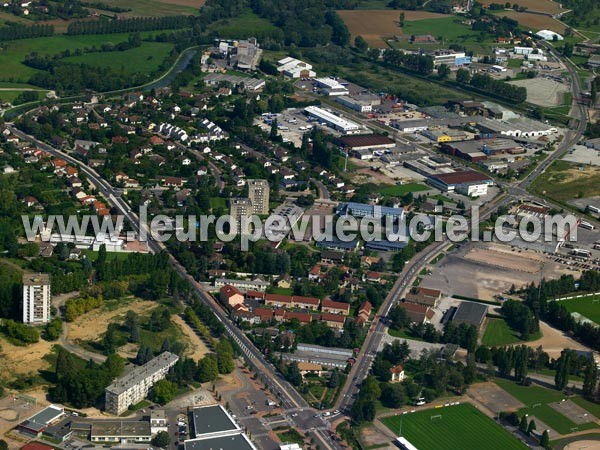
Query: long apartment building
x,y
36,298
134,387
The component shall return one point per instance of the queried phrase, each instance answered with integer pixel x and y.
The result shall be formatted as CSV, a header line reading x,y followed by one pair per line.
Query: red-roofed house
x,y
333,320
397,373
255,295
263,315
230,296
305,302
329,306
303,318
418,313
278,300
373,277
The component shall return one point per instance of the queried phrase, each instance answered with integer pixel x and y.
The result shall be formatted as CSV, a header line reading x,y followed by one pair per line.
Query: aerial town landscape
x,y
299,225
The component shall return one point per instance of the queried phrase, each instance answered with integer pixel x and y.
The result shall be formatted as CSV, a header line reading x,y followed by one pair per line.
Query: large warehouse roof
x,y
466,176
232,442
366,140
212,419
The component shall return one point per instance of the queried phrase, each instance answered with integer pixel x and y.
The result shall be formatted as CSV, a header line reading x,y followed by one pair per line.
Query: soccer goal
x,y
436,418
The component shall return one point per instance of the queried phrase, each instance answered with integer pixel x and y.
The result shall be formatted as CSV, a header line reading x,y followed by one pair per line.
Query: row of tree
x,y
25,32
136,24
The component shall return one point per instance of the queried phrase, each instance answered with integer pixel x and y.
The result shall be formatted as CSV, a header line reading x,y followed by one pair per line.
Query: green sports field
x,y
402,189
461,427
585,306
497,332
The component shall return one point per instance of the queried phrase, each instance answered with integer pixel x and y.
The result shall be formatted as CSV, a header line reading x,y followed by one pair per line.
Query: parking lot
x,y
580,154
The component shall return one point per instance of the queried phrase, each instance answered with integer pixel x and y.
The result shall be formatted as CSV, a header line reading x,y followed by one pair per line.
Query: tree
x,y
225,357
545,441
463,76
208,370
161,439
3,445
273,132
443,71
163,392
561,378
401,19
392,395
523,424
590,378
334,379
360,44
531,427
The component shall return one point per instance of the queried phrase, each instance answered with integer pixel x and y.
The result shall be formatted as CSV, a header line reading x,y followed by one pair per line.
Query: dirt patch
x,y
588,445
90,326
573,411
543,92
23,360
196,348
372,437
511,261
494,398
535,21
554,341
376,25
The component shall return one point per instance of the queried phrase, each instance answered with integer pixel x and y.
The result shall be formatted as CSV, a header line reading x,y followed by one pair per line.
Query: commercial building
x,y
244,285
593,62
331,86
330,119
158,421
462,182
367,142
479,150
518,128
371,211
452,59
213,420
424,296
470,313
357,104
241,209
229,442
249,84
39,422
258,193
123,431
36,298
294,68
134,387
548,35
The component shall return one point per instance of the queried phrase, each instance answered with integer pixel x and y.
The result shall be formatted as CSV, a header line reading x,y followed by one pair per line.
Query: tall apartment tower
x,y
240,207
36,298
258,193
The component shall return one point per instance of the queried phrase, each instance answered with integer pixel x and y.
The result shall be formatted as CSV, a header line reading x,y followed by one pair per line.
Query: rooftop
x,y
35,279
230,442
42,419
364,140
466,176
110,428
212,419
470,312
140,373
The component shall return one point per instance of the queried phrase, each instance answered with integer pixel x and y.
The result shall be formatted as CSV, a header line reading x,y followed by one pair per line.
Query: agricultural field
x,y
538,402
155,8
146,58
11,58
564,181
377,25
547,6
8,96
589,307
456,428
497,332
535,22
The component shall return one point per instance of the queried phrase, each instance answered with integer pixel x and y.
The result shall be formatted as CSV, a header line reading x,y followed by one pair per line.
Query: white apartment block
x,y
258,193
134,387
36,298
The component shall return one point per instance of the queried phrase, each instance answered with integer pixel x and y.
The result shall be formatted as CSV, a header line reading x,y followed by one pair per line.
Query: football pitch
x,y
456,427
589,307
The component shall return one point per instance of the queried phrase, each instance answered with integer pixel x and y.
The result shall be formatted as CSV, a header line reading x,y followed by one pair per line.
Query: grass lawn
x,y
218,202
442,198
460,427
541,397
564,181
402,189
446,29
146,59
497,332
292,436
585,306
110,256
12,68
515,63
9,96
403,334
280,291
246,24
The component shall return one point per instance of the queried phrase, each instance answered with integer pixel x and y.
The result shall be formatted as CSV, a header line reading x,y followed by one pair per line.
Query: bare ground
x,y
18,360
196,348
554,341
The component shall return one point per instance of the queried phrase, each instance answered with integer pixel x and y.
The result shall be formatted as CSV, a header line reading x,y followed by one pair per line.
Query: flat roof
x,y
365,140
122,428
231,442
141,373
470,312
36,279
43,418
212,419
332,118
466,176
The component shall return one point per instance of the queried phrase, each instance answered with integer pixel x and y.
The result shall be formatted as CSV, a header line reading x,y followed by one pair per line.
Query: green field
x,y
537,401
403,189
497,332
12,68
564,181
585,306
146,59
9,96
461,427
246,24
155,8
445,29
